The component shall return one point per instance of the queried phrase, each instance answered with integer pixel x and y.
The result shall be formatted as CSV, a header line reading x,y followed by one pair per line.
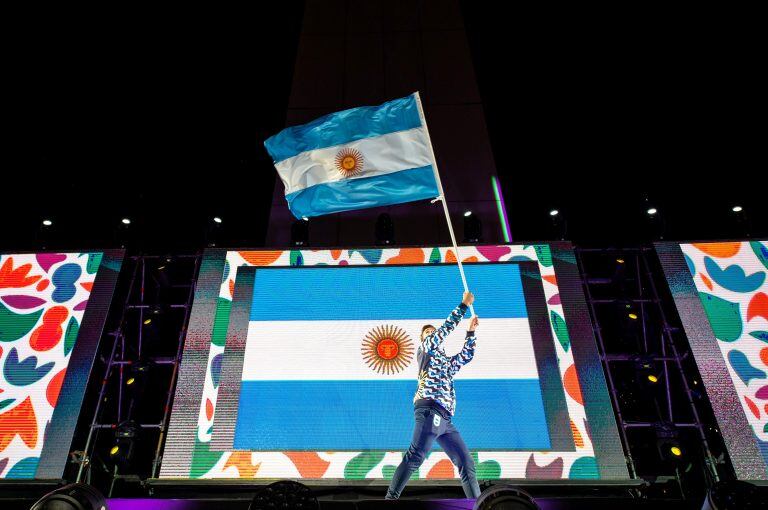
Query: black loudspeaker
x,y
75,496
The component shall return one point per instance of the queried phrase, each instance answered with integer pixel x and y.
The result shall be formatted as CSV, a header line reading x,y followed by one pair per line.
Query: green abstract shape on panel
x,y
15,325
724,317
203,459
360,465
221,322
73,328
561,330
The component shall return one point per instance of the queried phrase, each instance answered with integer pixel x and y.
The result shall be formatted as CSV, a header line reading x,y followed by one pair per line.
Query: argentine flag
x,y
330,359
355,159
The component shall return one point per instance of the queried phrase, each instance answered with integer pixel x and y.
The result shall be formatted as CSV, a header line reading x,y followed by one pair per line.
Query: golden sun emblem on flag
x,y
349,162
387,349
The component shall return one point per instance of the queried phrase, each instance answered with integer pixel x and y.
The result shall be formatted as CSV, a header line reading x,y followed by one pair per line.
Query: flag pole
x,y
441,197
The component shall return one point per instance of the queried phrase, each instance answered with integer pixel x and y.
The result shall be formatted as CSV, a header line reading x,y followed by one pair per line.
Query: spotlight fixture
x,y
126,221
385,230
647,371
651,211
217,219
47,223
472,228
124,447
559,224
467,213
300,232
737,208
667,442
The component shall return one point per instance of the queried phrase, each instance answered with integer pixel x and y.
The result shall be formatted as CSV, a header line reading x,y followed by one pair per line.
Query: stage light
x,y
632,316
472,228
300,233
554,212
126,221
676,451
467,213
147,322
130,380
124,448
285,494
620,261
305,218
505,497
384,230
737,208
216,219
653,378
652,211
75,496
47,223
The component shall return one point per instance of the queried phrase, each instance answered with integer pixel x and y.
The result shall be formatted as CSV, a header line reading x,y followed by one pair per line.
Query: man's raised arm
x,y
433,341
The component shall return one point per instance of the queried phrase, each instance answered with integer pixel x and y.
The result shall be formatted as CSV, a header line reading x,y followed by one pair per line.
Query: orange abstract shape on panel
x,y
706,280
764,355
753,407
19,421
48,334
578,440
335,254
758,307
450,256
470,259
42,285
722,250
408,256
54,387
16,278
231,287
242,461
208,409
443,469
261,258
87,286
571,383
309,464
550,278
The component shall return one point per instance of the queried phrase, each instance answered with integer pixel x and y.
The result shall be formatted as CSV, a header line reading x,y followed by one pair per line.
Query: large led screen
x,y
52,311
302,364
721,294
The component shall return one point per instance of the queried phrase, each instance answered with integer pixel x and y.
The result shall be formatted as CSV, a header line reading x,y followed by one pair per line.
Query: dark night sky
x,y
143,114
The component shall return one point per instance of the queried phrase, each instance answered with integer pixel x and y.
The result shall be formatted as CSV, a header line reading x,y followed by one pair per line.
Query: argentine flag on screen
x,y
321,370
354,159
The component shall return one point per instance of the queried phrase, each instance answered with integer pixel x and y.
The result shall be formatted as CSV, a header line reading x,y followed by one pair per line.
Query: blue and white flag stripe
x,y
393,152
343,127
505,414
387,152
384,292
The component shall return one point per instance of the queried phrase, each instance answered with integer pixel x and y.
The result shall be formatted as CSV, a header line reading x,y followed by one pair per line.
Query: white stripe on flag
x,y
384,154
331,350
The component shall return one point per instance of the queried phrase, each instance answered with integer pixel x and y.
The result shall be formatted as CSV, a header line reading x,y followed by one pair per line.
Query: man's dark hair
x,y
427,326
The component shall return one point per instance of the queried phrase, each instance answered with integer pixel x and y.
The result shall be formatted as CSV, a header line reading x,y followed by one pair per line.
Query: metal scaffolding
x,y
147,297
658,343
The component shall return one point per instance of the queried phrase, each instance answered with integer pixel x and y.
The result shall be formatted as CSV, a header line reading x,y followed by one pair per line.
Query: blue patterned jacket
x,y
436,368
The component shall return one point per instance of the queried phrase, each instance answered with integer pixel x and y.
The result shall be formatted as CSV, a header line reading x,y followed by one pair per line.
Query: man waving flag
x,y
354,159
